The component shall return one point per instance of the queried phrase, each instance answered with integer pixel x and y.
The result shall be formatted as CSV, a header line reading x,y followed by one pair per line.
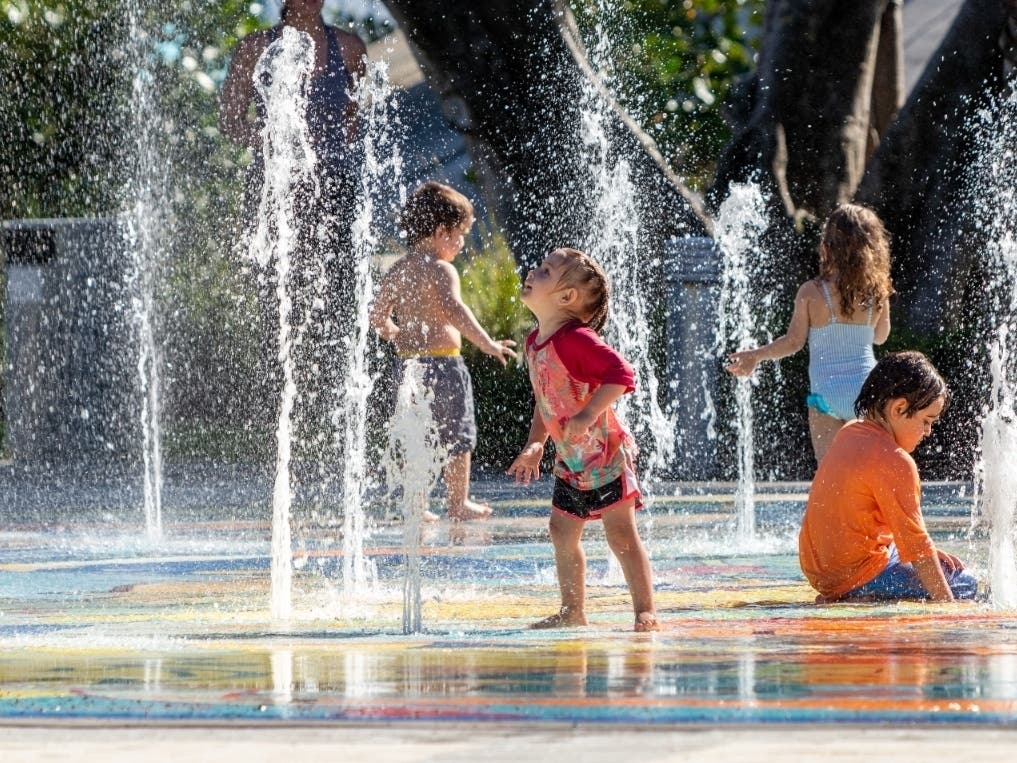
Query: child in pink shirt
x,y
576,377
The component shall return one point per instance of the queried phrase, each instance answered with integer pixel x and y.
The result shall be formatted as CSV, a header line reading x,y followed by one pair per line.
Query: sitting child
x,y
863,535
419,308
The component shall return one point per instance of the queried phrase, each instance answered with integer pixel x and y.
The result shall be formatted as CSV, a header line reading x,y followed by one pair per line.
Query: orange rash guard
x,y
866,495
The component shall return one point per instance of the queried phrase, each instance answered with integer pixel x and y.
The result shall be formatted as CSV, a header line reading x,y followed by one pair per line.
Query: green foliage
x,y
673,65
58,108
490,284
66,83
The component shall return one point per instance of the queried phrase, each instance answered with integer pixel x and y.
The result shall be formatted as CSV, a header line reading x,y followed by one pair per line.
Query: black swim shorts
x,y
590,504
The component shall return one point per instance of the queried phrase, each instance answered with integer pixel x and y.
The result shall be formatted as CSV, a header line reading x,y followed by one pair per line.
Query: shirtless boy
x,y
420,310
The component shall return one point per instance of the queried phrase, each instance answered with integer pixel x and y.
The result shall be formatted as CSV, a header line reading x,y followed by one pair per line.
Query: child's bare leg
x,y
426,515
623,539
570,561
457,481
822,428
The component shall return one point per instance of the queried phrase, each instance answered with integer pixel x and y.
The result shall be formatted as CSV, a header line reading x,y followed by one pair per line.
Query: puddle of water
x,y
108,627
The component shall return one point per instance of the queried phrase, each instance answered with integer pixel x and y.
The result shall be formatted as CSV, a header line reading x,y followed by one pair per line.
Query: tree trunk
x,y
828,83
512,76
919,180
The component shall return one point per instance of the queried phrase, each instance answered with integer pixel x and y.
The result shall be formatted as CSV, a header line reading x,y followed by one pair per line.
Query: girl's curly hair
x,y
855,254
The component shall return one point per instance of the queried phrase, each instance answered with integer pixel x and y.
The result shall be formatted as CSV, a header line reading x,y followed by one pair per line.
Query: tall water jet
x,y
146,230
995,180
281,78
413,463
999,479
739,225
381,170
618,245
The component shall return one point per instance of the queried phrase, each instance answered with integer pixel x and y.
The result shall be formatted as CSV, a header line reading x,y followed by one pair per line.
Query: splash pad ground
x,y
100,628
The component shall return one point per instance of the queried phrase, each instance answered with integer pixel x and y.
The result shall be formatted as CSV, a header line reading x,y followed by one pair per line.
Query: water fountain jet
x,y
413,463
281,77
740,224
995,188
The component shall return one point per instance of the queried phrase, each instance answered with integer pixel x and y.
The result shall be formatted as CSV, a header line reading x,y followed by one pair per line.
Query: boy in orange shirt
x,y
863,535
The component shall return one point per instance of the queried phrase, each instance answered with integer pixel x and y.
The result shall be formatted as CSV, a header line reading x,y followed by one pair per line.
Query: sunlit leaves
x,y
674,64
65,87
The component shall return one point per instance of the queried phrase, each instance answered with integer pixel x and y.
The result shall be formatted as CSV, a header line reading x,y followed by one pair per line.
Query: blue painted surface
x,y
111,628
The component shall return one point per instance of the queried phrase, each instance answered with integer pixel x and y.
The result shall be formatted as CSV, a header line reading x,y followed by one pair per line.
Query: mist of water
x,y
618,244
412,464
382,168
999,479
996,205
739,225
281,77
146,233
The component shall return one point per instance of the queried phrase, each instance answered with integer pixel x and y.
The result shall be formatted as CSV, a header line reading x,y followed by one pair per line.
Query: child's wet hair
x,y
909,375
584,275
856,254
433,205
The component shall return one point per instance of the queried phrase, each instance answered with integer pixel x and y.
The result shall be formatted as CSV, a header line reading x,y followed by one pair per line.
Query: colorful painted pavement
x,y
97,624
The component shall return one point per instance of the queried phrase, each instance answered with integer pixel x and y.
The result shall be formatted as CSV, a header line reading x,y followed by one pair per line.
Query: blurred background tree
x,y
57,99
66,80
65,91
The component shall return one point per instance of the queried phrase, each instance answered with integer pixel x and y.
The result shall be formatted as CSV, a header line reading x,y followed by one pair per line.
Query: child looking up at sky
x,y
576,377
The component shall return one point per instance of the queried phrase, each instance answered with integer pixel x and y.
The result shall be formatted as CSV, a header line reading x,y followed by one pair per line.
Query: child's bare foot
x,y
566,618
428,516
471,510
646,622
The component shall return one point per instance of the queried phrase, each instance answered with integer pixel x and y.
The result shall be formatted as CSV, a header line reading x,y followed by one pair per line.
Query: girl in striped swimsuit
x,y
842,314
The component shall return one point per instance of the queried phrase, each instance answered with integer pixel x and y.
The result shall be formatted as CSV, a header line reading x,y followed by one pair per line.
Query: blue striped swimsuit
x,y
840,357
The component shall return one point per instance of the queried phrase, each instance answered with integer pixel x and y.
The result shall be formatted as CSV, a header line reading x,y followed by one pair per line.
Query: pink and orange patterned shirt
x,y
566,370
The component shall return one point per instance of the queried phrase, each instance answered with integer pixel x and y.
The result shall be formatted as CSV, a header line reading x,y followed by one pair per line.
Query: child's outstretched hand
x,y
527,464
501,349
742,363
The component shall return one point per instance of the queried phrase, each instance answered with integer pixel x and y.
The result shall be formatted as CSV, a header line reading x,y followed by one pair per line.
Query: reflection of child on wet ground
x,y
576,377
419,309
842,313
863,535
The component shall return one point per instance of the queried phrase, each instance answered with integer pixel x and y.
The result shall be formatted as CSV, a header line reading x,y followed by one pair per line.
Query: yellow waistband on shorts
x,y
448,352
